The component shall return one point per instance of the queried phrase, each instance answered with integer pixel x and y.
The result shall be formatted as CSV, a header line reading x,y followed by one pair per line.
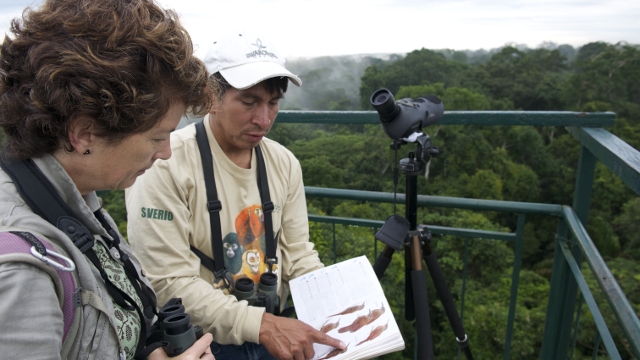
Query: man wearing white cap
x,y
200,240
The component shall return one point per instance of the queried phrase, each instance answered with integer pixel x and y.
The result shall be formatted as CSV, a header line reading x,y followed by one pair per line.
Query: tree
x,y
460,56
486,314
568,52
610,74
113,203
454,98
531,79
627,224
352,161
371,81
625,272
419,67
591,50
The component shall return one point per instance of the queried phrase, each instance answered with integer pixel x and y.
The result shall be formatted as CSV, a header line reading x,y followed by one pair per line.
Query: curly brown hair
x,y
122,63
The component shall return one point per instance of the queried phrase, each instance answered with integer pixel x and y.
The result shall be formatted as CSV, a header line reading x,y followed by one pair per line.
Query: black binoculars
x,y
175,326
265,295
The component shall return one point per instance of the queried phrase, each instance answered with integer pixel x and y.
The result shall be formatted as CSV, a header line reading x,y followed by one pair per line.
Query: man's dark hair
x,y
121,63
276,85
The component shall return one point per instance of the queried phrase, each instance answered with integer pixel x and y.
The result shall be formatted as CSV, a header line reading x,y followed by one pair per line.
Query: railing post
x,y
560,305
563,291
584,185
515,280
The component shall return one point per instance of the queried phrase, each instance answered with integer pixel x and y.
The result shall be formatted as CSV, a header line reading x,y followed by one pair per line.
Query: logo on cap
x,y
261,51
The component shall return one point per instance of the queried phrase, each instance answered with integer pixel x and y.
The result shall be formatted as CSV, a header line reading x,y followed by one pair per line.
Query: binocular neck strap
x,y
216,265
267,209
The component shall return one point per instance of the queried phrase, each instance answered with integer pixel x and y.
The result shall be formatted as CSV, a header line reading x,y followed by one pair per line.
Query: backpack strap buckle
x,y
268,206
214,206
225,276
271,261
78,233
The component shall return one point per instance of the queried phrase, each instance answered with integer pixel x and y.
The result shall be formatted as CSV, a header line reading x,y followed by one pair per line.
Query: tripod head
x,y
424,151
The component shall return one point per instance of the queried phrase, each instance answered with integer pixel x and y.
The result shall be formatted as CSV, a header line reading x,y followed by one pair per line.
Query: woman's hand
x,y
200,349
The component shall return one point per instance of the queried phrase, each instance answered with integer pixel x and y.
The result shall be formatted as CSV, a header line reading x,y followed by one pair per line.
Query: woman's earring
x,y
87,152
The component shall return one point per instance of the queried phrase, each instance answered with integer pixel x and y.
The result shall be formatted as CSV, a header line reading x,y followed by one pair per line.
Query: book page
x,y
346,301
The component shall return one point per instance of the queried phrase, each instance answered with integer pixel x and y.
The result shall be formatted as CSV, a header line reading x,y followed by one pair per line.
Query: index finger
x,y
322,338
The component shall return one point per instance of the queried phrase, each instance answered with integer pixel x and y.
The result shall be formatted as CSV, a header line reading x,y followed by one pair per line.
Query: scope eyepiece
x,y
384,103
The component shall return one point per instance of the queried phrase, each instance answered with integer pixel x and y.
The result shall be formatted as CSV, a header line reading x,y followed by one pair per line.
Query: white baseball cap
x,y
245,59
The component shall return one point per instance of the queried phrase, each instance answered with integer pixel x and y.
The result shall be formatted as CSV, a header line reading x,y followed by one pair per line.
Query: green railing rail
x,y
510,118
573,243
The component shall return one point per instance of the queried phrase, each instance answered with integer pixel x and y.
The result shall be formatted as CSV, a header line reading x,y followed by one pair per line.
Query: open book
x,y
346,301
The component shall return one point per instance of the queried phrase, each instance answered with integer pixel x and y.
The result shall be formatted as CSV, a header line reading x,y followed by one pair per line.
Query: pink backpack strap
x,y
15,242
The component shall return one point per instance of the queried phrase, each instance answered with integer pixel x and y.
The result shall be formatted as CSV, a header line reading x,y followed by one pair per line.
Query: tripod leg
x,y
447,300
409,309
421,303
382,261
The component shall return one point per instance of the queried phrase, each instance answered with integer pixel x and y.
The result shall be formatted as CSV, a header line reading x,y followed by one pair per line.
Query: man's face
x,y
243,117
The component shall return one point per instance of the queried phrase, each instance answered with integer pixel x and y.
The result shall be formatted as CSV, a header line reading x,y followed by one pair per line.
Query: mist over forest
x,y
336,79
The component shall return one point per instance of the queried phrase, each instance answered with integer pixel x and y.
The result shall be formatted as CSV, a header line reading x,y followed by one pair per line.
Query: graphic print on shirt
x,y
232,253
252,247
250,226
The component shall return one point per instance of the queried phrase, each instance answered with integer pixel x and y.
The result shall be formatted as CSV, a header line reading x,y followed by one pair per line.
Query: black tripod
x,y
398,233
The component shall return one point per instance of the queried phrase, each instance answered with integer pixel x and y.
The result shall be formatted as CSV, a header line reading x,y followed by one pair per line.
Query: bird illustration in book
x,y
376,313
350,310
357,324
328,326
375,333
333,353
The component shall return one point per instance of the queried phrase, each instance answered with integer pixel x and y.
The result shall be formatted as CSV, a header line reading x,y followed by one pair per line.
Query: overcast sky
x,y
305,28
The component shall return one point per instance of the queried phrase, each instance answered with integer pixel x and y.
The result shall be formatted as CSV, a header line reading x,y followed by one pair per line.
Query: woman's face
x,y
117,166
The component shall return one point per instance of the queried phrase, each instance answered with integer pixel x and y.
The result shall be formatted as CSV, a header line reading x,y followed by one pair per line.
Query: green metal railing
x,y
573,244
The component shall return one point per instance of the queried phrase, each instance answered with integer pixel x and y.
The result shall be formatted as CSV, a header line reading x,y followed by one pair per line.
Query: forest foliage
x,y
517,163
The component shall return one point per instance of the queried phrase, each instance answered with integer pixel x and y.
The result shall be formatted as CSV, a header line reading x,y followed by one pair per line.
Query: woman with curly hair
x,y
89,93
